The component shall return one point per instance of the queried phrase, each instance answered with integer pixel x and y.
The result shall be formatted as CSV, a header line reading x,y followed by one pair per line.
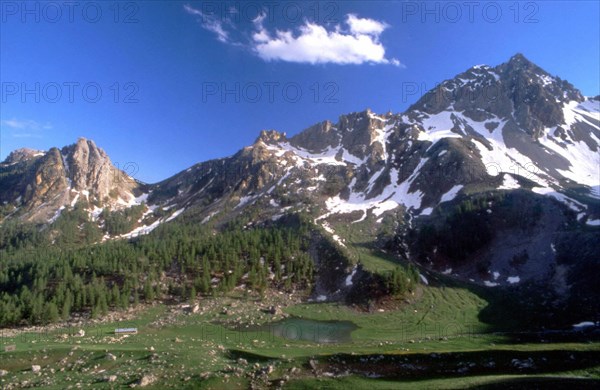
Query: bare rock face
x,y
517,89
49,180
537,105
89,168
359,133
37,184
271,137
23,154
317,138
355,131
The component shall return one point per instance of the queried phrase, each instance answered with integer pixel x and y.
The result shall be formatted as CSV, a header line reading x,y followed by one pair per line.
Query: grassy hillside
x,y
438,329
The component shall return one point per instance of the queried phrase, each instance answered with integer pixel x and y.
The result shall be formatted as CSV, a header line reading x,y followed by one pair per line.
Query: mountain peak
x,y
270,137
77,172
517,89
519,64
22,154
86,147
519,58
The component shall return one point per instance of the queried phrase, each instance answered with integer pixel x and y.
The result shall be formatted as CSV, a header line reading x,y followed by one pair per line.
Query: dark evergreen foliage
x,y
42,281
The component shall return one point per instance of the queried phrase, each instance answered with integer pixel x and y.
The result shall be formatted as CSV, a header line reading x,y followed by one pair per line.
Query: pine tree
x,y
67,305
148,291
192,296
50,313
115,295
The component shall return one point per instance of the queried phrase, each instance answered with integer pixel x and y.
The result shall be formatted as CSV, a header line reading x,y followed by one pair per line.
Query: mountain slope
x,y
508,127
38,185
481,148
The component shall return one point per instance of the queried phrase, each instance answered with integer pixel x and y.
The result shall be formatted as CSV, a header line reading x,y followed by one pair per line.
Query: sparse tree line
x,y
71,229
469,225
401,280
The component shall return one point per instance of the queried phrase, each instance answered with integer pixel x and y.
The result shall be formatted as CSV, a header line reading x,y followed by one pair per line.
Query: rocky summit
x,y
510,148
40,184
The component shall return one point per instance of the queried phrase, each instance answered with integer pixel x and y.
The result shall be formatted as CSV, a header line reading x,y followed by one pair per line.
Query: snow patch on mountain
x,y
133,200
392,196
584,324
208,217
427,211
246,200
374,116
572,203
362,218
349,158
95,212
350,276
142,230
373,179
499,159
56,214
502,158
381,136
574,111
75,199
436,127
584,161
175,214
330,230
546,80
328,156
509,183
451,194
593,222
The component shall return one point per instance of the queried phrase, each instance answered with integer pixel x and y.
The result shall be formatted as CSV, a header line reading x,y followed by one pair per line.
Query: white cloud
x,y
209,23
25,124
356,42
24,128
314,44
25,135
365,26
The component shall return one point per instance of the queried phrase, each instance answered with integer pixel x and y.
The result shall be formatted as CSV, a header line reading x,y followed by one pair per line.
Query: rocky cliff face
x,y
24,154
40,184
456,154
517,89
89,169
507,129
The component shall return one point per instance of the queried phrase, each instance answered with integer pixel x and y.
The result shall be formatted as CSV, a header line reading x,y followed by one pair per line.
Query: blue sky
x,y
163,85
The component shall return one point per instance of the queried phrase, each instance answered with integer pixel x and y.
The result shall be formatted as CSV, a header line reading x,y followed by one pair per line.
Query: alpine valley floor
x,y
435,338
